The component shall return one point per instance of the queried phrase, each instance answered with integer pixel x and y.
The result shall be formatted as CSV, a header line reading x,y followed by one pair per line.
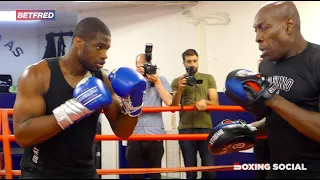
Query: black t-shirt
x,y
298,79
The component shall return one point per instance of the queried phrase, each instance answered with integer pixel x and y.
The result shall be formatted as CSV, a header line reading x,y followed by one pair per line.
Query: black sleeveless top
x,y
69,153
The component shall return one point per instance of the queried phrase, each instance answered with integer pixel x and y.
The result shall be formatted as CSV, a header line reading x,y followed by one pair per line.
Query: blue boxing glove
x,y
89,95
130,86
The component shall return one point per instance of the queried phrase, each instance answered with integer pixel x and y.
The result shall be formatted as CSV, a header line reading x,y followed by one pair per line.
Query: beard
x,y
191,70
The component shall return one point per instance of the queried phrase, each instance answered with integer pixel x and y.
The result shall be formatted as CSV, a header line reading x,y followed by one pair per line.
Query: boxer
x,y
285,92
59,102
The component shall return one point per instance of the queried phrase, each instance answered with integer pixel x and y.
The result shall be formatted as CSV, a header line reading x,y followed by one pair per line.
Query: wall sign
x,y
10,46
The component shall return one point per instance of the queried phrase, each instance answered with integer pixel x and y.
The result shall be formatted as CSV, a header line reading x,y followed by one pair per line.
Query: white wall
x,y
31,40
133,27
222,48
233,46
26,39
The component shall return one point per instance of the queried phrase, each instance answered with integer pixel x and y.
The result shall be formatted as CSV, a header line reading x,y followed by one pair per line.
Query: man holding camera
x,y
158,91
199,90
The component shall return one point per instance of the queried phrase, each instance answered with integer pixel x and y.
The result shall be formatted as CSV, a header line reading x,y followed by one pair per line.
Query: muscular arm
x,y
31,125
122,125
306,122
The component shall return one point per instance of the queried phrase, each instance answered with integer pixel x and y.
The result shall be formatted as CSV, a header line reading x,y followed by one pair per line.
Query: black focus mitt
x,y
231,136
250,90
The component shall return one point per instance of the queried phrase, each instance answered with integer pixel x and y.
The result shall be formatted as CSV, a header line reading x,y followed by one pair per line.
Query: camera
x,y
148,67
148,52
191,80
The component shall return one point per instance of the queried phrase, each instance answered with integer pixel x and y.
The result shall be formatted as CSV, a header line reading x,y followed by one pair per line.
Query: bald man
x,y
293,65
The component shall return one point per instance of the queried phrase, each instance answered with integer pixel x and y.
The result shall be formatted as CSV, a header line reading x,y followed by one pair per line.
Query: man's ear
x,y
290,25
77,42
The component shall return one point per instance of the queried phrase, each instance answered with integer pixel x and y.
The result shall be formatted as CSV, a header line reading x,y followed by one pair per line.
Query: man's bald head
x,y
282,11
140,59
277,25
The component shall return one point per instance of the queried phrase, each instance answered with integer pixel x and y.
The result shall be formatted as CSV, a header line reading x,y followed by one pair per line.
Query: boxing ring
x,y
7,137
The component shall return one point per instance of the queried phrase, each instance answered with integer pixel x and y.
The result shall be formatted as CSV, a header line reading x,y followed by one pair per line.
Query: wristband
x,y
62,118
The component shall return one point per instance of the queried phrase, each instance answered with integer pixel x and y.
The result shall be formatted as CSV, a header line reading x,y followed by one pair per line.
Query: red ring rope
x,y
152,109
6,138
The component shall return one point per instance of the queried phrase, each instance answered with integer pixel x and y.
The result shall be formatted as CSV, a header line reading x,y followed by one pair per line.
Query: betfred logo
x,y
35,15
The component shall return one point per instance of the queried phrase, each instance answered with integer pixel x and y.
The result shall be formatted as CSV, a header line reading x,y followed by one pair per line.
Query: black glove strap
x,y
266,94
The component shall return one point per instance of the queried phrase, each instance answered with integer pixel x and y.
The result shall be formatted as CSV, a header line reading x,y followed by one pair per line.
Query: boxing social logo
x,y
267,166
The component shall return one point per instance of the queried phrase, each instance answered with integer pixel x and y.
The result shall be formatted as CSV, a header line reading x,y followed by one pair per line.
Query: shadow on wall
x,y
121,18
